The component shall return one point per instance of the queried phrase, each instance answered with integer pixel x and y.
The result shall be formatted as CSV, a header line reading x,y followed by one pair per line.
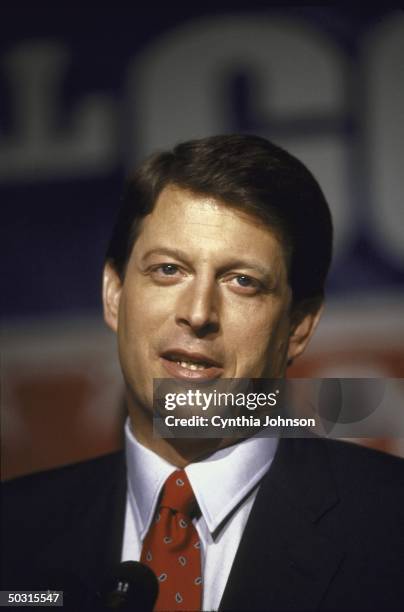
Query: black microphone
x,y
132,586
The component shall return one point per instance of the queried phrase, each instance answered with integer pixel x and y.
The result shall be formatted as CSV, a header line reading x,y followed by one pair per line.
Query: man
x,y
216,269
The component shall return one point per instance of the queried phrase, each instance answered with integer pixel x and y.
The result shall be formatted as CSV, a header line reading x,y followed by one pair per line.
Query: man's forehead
x,y
193,208
202,216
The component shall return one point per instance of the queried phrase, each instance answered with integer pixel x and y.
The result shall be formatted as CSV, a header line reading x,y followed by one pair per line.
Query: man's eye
x,y
165,273
245,281
242,281
168,269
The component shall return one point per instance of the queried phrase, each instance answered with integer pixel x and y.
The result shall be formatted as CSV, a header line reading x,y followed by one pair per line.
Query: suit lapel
x,y
287,556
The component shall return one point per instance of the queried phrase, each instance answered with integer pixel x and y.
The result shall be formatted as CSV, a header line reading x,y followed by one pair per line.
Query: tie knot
x,y
178,494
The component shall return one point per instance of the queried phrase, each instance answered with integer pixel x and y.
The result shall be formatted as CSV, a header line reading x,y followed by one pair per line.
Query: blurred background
x,y
87,91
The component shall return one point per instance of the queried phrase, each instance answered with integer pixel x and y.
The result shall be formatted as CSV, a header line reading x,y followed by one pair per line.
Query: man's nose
x,y
198,307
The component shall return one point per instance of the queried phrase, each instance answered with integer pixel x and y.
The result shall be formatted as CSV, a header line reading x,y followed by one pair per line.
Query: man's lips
x,y
190,366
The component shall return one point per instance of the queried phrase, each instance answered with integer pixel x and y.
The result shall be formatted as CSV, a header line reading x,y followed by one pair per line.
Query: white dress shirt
x,y
227,479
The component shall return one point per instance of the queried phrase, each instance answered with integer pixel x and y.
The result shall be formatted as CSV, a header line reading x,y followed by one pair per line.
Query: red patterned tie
x,y
171,547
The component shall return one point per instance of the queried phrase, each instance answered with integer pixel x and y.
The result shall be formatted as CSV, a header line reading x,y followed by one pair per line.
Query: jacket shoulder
x,y
67,517
57,495
353,464
64,474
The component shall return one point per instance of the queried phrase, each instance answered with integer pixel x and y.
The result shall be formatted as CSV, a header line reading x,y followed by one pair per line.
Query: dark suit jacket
x,y
326,531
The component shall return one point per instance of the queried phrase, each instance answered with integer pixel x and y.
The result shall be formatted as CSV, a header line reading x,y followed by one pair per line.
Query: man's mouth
x,y
192,365
182,364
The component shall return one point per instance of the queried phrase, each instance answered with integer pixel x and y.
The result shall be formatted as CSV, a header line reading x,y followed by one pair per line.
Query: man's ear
x,y
305,319
111,294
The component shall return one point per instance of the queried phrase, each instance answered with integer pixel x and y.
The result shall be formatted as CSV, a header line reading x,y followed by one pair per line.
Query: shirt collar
x,y
217,485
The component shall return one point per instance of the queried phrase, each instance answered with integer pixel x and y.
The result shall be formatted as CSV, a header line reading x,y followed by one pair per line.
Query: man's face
x,y
205,296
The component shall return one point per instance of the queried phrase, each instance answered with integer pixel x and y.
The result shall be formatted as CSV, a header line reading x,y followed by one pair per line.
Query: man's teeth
x,y
191,365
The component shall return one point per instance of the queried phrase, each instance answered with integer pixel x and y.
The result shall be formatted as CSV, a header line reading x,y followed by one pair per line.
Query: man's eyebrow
x,y
171,252
250,265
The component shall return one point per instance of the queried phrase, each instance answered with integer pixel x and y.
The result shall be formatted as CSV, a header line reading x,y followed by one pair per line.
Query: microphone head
x,y
132,586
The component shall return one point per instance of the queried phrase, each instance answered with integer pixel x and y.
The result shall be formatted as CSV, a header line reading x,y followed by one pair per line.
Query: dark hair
x,y
248,173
